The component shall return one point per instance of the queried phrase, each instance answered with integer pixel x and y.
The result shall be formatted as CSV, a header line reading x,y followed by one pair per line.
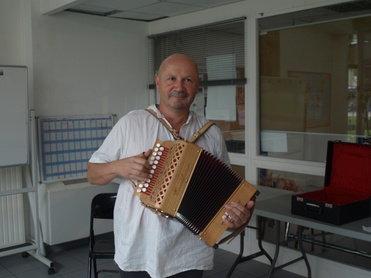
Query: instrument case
x,y
347,191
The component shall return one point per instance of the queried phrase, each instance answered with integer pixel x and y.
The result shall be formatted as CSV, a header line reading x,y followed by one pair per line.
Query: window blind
x,y
218,49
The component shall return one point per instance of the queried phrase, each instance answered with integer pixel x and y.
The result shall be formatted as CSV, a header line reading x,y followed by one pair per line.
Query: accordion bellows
x,y
193,186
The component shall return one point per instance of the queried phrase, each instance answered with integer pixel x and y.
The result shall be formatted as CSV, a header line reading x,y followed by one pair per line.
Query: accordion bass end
x,y
193,186
217,227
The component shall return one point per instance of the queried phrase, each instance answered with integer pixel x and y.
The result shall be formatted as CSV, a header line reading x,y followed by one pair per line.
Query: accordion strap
x,y
200,132
176,135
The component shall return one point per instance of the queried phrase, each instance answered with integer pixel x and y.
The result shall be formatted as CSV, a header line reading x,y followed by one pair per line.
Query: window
x,y
315,85
218,50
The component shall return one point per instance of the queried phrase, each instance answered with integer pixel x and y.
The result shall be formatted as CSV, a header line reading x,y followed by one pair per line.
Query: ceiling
x,y
143,10
151,10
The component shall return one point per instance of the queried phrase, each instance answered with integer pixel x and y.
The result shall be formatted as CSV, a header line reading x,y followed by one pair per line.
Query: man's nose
x,y
179,85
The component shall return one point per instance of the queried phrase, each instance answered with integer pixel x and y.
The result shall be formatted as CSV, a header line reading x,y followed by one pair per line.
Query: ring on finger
x,y
230,219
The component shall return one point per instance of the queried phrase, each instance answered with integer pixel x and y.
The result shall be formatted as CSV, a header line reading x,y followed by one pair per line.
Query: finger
x,y
147,153
228,220
250,204
140,162
236,210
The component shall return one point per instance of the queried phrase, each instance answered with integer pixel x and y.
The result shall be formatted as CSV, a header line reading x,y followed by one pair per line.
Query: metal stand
x,y
241,258
35,248
279,243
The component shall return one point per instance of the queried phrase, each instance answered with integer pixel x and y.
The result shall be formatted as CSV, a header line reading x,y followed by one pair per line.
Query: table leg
x,y
240,258
277,224
300,241
278,244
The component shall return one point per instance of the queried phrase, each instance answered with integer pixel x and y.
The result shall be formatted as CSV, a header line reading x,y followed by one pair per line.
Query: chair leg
x,y
89,267
95,268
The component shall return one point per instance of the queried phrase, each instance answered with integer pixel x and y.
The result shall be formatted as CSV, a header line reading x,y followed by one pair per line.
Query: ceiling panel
x,y
143,10
167,9
122,5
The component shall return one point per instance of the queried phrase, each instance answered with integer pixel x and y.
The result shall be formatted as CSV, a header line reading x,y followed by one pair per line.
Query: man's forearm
x,y
101,173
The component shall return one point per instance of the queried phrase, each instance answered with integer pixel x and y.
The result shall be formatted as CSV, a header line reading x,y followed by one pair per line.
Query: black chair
x,y
101,247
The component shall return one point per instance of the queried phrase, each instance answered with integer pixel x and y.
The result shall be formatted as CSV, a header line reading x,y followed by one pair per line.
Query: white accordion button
x,y
162,149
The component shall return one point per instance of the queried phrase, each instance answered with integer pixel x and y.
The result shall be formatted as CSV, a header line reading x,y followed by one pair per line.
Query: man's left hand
x,y
236,214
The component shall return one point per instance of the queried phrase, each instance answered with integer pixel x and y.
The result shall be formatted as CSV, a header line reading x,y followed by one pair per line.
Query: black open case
x,y
347,191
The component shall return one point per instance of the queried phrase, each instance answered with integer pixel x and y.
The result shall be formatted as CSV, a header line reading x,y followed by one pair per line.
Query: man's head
x,y
177,82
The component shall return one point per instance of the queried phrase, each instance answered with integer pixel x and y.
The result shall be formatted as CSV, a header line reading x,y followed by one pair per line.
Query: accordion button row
x,y
153,161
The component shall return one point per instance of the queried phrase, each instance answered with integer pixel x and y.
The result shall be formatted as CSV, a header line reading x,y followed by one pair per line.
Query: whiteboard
x,y
13,116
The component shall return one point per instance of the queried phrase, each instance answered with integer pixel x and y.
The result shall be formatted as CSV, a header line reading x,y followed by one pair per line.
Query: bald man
x,y
148,245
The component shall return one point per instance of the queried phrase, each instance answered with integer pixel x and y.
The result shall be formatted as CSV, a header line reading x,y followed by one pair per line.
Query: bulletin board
x,y
282,104
67,143
14,116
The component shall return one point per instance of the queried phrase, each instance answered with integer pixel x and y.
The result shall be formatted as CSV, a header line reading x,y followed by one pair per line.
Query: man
x,y
148,245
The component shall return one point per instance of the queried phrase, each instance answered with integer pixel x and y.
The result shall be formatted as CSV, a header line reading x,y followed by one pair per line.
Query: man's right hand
x,y
135,168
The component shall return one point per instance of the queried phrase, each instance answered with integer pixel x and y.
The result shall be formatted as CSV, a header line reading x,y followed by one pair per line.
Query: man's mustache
x,y
178,94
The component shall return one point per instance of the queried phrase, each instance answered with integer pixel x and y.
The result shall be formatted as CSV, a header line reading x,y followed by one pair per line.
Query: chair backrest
x,y
102,205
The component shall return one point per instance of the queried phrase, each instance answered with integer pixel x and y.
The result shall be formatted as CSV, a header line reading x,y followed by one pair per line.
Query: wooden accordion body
x,y
193,186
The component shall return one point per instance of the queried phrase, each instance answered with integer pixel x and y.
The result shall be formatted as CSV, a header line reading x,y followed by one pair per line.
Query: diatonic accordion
x,y
193,186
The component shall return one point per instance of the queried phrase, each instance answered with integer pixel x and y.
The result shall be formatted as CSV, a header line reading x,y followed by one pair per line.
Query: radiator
x,y
65,210
12,229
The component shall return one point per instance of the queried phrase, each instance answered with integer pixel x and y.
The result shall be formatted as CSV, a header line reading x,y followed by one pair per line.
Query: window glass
x,y
290,181
240,170
315,84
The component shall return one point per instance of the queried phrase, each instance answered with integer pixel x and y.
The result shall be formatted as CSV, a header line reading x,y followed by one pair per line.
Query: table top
x,y
276,204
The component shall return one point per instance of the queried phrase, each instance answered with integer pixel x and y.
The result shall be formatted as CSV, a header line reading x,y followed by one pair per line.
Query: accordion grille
x,y
167,165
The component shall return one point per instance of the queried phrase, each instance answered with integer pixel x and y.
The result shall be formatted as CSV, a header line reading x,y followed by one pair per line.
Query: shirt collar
x,y
160,115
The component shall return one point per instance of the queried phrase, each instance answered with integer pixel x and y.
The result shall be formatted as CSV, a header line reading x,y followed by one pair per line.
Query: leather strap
x,y
175,134
203,129
173,131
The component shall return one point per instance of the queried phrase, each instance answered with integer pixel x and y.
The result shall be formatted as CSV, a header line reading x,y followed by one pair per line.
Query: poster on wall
x,y
317,97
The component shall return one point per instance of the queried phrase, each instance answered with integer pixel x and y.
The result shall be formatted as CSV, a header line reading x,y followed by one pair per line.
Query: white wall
x,y
85,64
15,36
11,30
78,64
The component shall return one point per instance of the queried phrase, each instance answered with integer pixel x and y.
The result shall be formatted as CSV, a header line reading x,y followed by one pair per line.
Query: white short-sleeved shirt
x,y
145,241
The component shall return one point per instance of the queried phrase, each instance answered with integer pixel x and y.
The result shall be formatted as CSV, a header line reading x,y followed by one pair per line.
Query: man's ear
x,y
156,80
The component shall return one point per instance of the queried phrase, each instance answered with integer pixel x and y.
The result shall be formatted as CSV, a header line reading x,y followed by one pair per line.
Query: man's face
x,y
177,83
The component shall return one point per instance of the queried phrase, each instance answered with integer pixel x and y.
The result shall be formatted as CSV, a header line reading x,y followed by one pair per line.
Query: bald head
x,y
177,82
178,59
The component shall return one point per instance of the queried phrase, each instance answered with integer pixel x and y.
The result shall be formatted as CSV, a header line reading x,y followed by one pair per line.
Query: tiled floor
x,y
70,261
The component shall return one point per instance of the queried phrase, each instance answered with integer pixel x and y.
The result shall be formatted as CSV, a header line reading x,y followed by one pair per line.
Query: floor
x,y
70,261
